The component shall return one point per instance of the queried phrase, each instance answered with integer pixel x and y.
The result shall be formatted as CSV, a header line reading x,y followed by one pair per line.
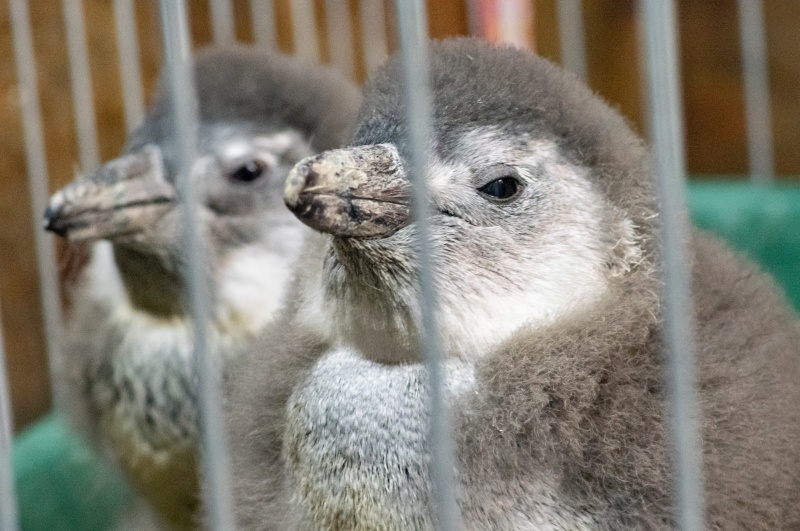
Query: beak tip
x,y
295,183
50,223
349,192
53,213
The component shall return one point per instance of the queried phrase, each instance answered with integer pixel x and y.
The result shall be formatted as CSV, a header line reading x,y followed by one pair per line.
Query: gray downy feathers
x,y
128,363
545,233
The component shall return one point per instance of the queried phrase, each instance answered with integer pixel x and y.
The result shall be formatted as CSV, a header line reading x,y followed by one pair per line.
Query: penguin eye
x,y
249,171
502,188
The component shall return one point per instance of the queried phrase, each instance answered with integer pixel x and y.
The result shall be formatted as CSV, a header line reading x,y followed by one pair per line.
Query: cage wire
x,y
131,73
9,519
412,24
221,22
37,186
304,35
658,24
570,37
264,28
756,90
218,498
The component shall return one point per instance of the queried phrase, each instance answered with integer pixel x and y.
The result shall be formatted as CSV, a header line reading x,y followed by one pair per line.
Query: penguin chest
x,y
356,455
356,446
147,417
167,477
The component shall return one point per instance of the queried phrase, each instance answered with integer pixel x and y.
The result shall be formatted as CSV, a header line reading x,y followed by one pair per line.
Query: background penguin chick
x,y
545,231
128,348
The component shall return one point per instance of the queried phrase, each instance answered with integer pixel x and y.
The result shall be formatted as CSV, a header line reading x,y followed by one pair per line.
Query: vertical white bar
x,y
412,30
264,30
474,17
571,36
37,184
340,36
515,23
218,501
667,137
752,36
304,30
373,30
128,46
222,24
81,79
9,517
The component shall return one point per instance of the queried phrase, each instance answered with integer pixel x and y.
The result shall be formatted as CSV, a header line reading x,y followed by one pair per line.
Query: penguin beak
x,y
125,196
360,192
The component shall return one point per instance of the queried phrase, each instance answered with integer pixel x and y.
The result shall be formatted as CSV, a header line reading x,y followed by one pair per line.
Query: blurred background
x,y
712,82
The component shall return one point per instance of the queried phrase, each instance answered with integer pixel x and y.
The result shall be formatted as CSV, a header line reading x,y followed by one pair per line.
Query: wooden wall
x,y
711,70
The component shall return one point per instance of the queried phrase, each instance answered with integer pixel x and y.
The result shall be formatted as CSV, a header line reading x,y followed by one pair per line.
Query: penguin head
x,y
259,113
539,203
134,202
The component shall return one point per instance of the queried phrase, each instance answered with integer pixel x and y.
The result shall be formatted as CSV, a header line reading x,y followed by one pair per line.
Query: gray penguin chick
x,y
128,349
545,232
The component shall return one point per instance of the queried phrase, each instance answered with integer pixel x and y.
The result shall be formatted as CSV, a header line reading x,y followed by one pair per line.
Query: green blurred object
x,y
61,486
761,221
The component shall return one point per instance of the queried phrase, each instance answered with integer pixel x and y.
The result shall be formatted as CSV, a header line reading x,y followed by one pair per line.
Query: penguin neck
x,y
371,302
150,285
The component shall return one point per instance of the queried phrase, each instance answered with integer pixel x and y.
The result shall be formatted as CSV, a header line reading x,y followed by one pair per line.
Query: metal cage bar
x,y
667,136
218,500
81,79
411,21
340,41
304,30
571,36
128,46
37,186
373,33
9,517
473,17
222,22
263,14
752,35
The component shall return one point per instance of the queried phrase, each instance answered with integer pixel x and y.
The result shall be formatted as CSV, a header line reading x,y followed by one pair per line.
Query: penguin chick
x,y
544,229
128,351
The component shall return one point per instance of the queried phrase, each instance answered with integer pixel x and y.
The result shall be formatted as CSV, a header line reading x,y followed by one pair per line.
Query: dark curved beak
x,y
359,192
123,197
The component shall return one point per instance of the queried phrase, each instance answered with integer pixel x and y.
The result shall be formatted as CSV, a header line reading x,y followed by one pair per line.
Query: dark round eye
x,y
249,171
502,188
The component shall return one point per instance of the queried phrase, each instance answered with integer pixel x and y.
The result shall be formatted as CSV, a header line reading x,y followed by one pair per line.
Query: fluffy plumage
x,y
252,85
128,350
550,323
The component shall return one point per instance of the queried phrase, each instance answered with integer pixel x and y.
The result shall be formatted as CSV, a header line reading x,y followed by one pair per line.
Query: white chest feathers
x,y
250,286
